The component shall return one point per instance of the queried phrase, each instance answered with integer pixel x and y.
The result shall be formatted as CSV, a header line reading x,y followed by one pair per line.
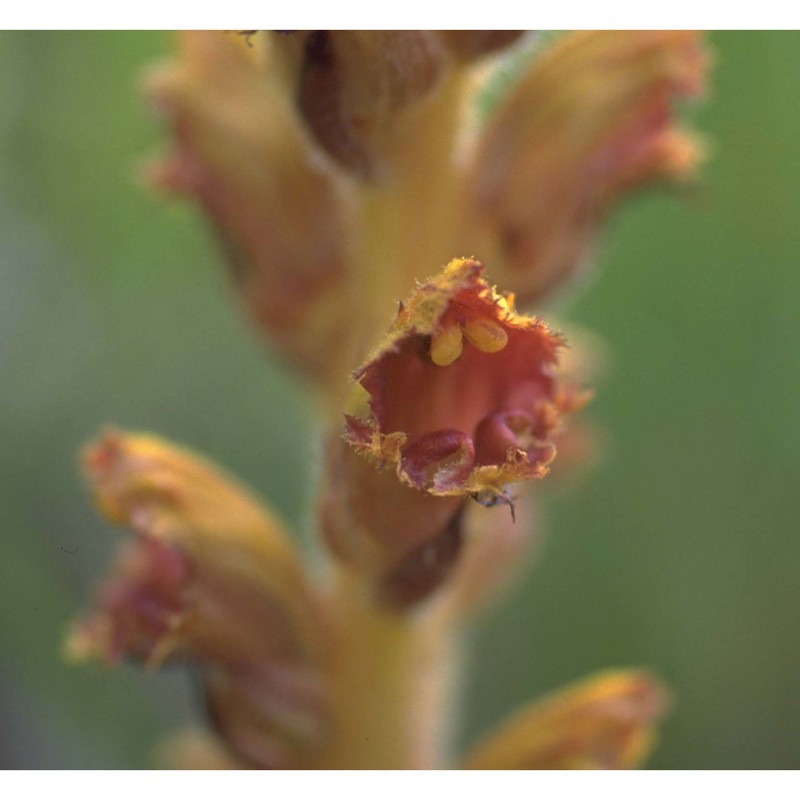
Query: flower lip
x,y
462,393
143,607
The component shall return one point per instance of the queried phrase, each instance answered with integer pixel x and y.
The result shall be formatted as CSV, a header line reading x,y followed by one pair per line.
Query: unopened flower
x,y
591,120
359,90
605,722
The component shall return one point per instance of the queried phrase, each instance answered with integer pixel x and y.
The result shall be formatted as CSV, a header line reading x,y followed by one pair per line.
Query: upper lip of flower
x,y
463,394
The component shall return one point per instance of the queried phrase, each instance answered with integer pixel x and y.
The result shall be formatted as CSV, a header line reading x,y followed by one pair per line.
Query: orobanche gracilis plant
x,y
368,189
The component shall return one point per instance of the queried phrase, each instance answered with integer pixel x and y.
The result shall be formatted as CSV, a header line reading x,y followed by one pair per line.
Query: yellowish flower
x,y
590,121
211,577
605,722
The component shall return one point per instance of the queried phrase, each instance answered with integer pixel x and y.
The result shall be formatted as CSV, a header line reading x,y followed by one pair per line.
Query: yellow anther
x,y
446,345
485,334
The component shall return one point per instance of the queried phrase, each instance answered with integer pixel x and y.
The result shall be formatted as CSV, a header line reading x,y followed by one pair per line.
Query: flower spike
x,y
338,168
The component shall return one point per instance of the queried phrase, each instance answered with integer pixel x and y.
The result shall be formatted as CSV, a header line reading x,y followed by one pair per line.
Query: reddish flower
x,y
462,393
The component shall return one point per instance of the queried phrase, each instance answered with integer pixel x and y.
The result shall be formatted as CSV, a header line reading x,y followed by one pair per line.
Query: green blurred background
x,y
680,552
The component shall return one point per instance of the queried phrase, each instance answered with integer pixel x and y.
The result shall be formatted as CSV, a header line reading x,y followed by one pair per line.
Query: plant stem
x,y
391,683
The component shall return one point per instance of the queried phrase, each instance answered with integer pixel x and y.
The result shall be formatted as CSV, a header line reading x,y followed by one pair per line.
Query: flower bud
x,y
592,118
605,722
356,87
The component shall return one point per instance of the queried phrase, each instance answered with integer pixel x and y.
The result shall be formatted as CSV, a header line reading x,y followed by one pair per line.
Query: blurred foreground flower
x,y
340,171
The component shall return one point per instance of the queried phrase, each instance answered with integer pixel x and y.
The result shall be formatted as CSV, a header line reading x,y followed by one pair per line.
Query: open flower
x,y
461,399
462,393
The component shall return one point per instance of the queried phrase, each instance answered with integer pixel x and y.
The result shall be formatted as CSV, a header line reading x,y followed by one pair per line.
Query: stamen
x,y
446,345
485,334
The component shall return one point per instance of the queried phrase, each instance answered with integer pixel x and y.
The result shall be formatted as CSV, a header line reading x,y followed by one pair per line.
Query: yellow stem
x,y
411,220
391,680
